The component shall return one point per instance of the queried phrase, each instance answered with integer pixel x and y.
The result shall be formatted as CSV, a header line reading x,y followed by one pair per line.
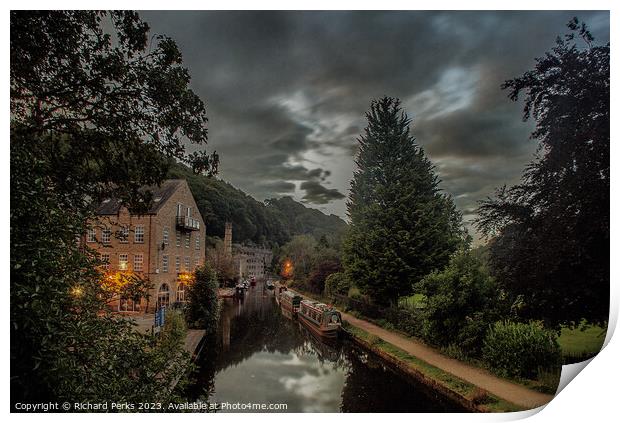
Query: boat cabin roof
x,y
316,305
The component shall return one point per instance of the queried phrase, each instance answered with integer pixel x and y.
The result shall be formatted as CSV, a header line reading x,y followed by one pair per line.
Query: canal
x,y
260,356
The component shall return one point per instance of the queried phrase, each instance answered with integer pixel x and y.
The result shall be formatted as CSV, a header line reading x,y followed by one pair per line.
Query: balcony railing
x,y
188,223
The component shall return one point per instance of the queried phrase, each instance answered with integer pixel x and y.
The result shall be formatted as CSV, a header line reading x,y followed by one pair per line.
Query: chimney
x,y
228,238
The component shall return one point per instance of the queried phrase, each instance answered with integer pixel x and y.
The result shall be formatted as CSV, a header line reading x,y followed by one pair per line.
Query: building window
x,y
129,304
163,296
181,293
106,234
178,234
164,264
177,264
198,241
165,236
124,235
105,260
122,262
138,262
187,240
139,234
187,269
91,235
196,263
179,209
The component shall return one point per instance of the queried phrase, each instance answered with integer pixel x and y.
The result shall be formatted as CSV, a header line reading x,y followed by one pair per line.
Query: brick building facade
x,y
164,245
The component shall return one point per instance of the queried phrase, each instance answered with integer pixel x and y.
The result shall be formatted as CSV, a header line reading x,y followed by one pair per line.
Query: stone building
x,y
251,261
164,245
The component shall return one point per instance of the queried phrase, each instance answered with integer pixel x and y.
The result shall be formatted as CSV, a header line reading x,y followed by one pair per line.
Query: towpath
x,y
512,392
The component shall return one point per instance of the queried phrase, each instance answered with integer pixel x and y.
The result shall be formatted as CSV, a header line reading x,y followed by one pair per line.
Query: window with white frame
x,y
91,235
198,241
122,261
138,262
187,240
164,264
105,260
178,234
187,269
166,236
196,263
139,234
106,235
177,264
181,293
124,234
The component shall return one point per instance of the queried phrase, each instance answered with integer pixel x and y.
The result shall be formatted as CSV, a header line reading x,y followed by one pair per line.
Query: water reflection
x,y
259,356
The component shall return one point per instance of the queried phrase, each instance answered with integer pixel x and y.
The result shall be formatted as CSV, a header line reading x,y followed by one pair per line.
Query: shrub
x,y
373,340
203,308
173,333
521,349
462,300
337,283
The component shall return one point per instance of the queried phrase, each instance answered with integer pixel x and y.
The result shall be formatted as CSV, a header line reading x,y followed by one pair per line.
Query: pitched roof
x,y
161,194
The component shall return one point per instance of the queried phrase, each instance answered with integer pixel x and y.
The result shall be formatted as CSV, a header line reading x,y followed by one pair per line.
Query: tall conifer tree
x,y
402,226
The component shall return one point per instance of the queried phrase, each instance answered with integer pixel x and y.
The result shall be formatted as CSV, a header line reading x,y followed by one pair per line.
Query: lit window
x,y
198,241
164,264
105,260
187,241
178,264
106,234
139,234
138,261
178,233
122,262
187,269
91,235
124,235
165,236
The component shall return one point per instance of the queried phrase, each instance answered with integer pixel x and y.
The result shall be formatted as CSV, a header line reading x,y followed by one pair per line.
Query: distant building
x,y
251,261
165,244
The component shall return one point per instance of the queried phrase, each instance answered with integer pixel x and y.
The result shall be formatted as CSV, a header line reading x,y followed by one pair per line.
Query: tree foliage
x,y
550,233
402,226
203,308
271,223
95,105
462,300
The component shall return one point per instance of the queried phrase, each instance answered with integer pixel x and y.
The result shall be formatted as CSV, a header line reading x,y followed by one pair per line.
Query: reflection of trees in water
x,y
370,386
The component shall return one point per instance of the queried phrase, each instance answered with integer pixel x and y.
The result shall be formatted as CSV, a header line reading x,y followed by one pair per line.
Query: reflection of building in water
x,y
251,261
225,332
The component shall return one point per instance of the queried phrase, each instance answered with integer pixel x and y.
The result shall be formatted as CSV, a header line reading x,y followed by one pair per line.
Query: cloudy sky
x,y
286,92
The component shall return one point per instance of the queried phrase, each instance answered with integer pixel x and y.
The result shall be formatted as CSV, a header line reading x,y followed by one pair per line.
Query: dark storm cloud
x,y
286,92
318,194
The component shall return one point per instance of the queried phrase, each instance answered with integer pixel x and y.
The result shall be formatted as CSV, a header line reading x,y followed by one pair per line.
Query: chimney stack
x,y
228,238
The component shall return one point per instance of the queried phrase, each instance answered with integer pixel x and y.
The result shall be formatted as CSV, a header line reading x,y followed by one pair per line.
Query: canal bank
x,y
260,356
475,388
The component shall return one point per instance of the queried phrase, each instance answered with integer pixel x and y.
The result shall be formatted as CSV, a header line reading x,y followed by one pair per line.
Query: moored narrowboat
x,y
290,301
320,318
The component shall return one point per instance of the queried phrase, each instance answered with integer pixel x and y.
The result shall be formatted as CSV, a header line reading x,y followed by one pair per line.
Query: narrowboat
x,y
320,318
290,302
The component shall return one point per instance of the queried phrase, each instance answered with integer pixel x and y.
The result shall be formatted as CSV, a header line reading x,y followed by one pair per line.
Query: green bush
x,y
337,283
521,349
173,334
462,301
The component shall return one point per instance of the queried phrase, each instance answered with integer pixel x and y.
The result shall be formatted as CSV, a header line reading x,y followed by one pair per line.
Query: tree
x,y
203,309
222,262
94,112
402,226
300,252
550,233
462,300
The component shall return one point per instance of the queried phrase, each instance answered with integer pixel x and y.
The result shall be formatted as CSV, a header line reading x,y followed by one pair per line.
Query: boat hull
x,y
331,333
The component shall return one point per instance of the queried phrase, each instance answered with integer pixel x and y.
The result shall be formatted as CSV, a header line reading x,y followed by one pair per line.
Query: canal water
x,y
260,356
